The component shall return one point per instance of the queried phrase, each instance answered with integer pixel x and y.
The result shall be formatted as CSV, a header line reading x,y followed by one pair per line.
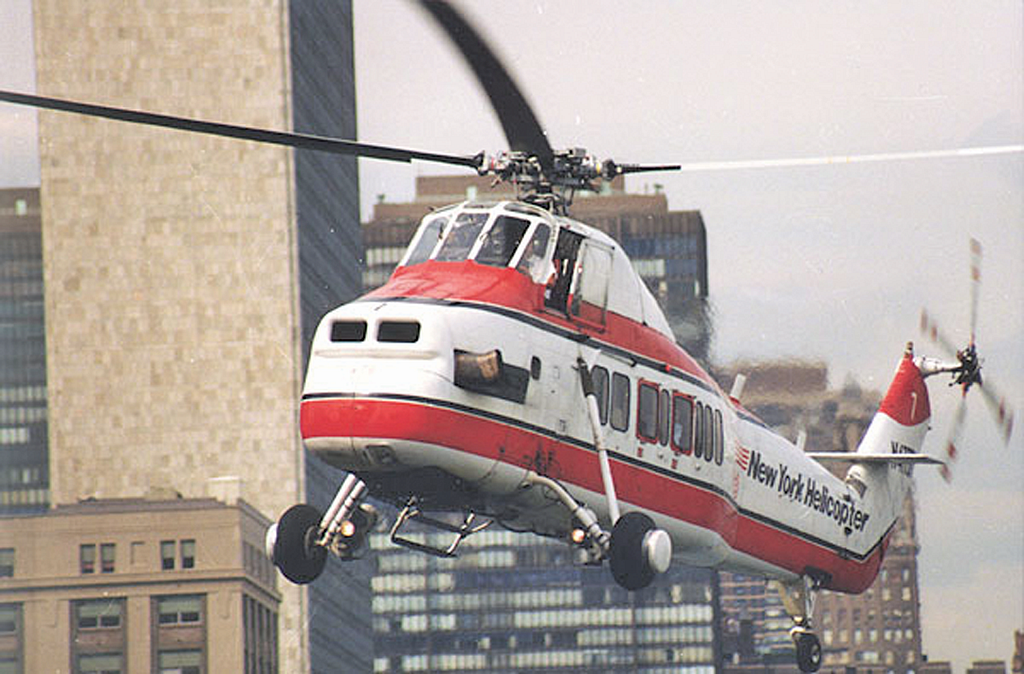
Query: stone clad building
x,y
184,274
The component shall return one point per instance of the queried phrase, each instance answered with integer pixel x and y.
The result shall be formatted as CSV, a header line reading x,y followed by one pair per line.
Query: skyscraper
x,y
185,273
24,469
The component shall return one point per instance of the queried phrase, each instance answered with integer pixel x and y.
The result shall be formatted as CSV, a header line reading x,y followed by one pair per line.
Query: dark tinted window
x,y
647,412
600,378
719,441
698,431
348,331
664,416
682,413
620,402
398,331
709,434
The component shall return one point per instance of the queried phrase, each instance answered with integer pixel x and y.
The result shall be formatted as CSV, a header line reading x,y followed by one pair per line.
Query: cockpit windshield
x,y
426,242
502,241
493,235
461,237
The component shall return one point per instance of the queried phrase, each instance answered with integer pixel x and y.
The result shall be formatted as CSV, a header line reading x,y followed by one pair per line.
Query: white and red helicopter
x,y
516,370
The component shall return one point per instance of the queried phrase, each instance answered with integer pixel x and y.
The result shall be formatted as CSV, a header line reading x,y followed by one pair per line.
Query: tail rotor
x,y
966,371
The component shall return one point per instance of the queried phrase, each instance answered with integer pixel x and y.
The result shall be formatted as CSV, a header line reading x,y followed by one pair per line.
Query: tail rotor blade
x,y
954,439
1000,408
975,284
931,329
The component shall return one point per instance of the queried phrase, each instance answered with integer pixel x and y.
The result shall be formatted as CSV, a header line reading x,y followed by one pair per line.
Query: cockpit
x,y
584,273
498,235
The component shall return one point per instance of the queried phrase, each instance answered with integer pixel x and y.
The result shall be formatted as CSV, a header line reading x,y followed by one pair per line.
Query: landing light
x,y
578,536
348,529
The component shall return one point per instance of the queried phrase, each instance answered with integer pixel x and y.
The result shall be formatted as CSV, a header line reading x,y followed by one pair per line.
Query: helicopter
x,y
591,424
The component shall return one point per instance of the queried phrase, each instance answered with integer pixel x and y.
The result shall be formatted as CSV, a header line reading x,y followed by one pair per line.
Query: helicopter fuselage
x,y
388,396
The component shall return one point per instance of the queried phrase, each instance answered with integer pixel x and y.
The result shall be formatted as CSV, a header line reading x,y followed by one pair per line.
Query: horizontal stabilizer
x,y
875,458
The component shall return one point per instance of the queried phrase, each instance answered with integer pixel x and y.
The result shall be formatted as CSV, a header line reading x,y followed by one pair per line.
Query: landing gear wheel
x,y
626,555
808,651
295,551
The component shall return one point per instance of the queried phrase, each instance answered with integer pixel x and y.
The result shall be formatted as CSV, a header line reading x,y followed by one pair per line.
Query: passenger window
x,y
599,375
534,261
682,417
719,444
698,431
647,413
502,241
620,402
461,237
664,417
709,434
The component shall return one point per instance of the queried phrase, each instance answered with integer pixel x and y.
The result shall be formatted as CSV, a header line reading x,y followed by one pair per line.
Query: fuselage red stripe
x,y
703,506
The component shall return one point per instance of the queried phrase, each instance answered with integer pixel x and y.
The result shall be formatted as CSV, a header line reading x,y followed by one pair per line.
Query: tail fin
x,y
893,441
901,422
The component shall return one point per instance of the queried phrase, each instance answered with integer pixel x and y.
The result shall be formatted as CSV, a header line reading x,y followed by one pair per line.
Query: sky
x,y
830,261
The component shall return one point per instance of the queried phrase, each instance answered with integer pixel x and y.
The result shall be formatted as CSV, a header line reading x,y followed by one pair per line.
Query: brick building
x,y
138,585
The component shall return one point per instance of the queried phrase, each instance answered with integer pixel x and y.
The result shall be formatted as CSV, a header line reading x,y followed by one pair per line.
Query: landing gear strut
x,y
298,543
798,600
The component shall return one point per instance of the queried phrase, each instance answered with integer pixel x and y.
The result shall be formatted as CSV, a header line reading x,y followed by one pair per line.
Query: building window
x,y
180,662
167,554
620,402
94,614
99,663
108,552
260,625
87,558
188,554
180,610
11,650
6,562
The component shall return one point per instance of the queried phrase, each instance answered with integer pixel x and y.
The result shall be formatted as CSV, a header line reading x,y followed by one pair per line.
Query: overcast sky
x,y
830,262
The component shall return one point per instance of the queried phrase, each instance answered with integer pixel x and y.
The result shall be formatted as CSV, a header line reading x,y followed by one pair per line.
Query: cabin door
x,y
589,297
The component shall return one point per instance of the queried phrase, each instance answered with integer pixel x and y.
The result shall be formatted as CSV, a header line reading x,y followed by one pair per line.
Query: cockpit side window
x,y
429,235
461,237
534,261
502,241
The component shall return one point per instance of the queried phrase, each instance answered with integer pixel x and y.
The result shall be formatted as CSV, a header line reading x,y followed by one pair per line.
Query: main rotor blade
x,y
522,129
297,140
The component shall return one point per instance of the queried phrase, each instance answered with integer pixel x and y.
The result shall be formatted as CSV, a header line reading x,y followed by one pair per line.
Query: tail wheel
x,y
626,555
808,652
295,551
